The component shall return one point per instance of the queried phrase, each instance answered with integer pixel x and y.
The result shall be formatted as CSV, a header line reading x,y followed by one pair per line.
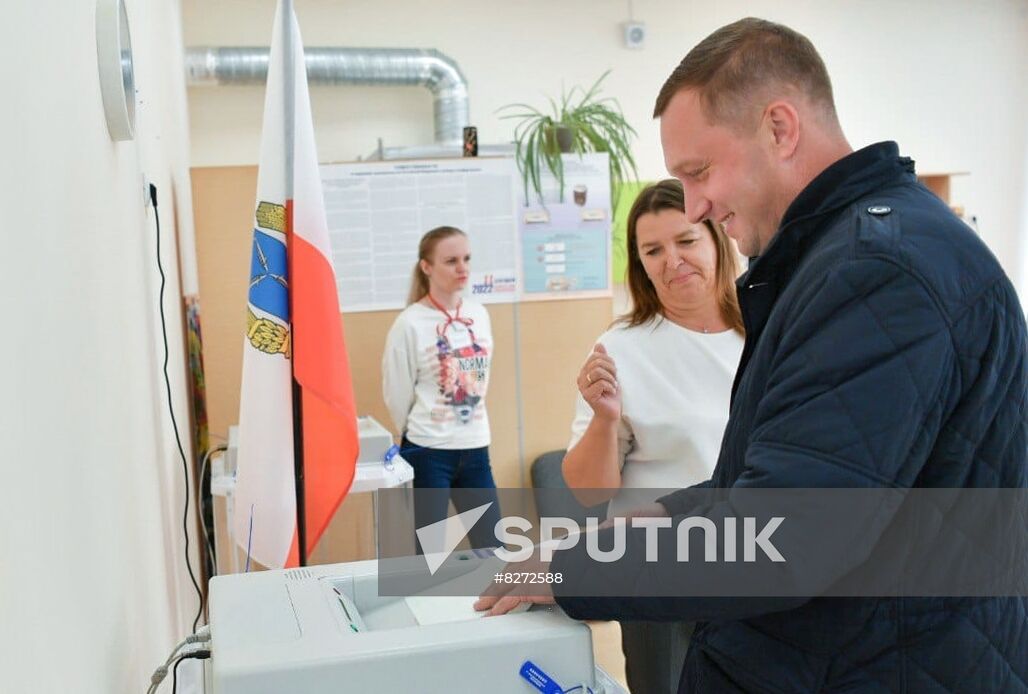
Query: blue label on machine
x,y
539,679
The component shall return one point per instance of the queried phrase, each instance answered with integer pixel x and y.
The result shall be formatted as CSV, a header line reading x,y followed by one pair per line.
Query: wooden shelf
x,y
939,183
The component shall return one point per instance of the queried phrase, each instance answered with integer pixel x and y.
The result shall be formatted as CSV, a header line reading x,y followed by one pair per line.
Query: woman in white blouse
x,y
435,372
654,394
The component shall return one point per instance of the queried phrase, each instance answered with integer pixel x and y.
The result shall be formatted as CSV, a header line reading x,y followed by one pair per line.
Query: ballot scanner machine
x,y
326,629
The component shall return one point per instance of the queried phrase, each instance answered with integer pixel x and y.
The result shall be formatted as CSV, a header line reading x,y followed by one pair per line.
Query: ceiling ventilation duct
x,y
354,66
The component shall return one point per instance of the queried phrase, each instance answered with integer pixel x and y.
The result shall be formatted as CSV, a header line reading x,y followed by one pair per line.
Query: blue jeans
x,y
461,475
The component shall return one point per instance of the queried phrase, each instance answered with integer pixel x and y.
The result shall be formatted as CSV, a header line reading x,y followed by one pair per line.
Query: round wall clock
x,y
114,58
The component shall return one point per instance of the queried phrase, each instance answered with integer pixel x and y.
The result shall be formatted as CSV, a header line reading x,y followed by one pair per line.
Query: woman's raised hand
x,y
598,384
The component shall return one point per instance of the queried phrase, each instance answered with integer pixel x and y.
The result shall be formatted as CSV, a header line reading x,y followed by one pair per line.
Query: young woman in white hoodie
x,y
435,373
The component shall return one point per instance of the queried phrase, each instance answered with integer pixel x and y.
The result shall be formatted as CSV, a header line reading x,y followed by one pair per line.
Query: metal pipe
x,y
429,68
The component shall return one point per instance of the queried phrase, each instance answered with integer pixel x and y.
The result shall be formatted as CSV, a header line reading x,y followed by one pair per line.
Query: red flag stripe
x,y
321,367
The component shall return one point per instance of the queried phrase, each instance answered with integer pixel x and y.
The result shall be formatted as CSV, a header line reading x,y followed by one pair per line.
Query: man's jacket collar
x,y
847,180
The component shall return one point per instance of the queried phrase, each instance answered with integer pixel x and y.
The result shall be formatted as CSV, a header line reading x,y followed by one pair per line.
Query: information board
x,y
378,211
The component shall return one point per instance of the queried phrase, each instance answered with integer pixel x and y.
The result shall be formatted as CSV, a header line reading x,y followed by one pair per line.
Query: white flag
x,y
294,329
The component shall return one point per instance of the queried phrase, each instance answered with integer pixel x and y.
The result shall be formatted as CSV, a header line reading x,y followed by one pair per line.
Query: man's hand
x,y
517,583
498,605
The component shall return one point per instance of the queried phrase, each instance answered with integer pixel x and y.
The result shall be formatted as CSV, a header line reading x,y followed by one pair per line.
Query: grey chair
x,y
552,496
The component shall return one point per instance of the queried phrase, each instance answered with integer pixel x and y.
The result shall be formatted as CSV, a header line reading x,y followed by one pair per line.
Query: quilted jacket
x,y
885,347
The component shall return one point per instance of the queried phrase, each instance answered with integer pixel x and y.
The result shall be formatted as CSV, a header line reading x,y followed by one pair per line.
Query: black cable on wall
x,y
171,410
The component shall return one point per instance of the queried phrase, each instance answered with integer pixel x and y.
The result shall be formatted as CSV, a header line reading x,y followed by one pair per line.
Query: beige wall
x,y
93,585
942,77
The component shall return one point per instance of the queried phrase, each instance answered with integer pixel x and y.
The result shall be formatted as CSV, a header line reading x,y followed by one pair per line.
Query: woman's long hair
x,y
426,249
667,195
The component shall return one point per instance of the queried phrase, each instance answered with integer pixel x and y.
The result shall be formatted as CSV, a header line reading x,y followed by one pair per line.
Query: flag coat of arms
x,y
296,395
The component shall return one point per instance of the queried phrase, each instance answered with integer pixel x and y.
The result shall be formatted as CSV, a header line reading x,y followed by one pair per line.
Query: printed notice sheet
x,y
378,211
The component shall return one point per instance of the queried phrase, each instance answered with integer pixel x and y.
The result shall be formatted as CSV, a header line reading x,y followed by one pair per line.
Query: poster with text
x,y
378,211
565,243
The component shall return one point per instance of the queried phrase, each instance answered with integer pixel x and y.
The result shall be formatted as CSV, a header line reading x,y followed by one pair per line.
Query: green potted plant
x,y
582,122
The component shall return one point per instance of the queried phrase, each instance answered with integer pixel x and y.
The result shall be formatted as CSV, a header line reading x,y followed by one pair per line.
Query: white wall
x,y
942,77
93,586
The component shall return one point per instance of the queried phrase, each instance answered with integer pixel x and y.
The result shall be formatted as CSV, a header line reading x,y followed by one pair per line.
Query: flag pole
x,y
290,139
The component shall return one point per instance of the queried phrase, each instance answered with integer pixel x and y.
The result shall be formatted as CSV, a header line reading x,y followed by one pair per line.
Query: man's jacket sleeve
x,y
856,393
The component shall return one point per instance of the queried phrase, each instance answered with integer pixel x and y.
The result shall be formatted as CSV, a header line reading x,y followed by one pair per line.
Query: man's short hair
x,y
744,61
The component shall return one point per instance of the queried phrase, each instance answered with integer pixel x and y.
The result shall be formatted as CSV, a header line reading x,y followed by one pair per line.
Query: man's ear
x,y
782,121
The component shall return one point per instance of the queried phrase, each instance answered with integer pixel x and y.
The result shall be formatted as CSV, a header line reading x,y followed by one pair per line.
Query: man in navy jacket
x,y
885,348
